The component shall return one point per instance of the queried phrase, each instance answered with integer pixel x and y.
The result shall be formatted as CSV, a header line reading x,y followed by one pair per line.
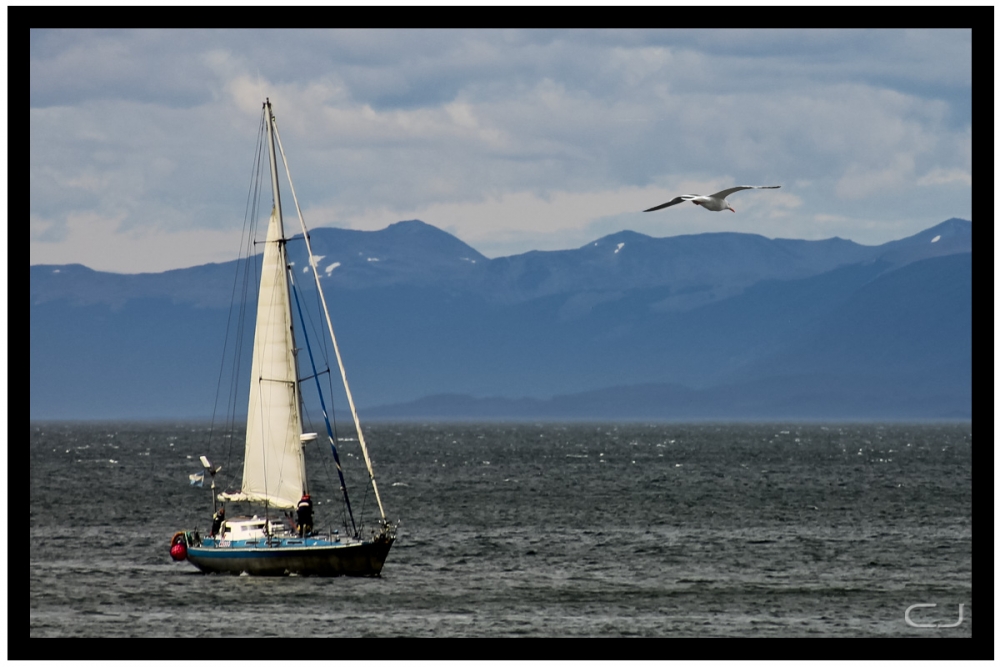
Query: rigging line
x,y
319,308
364,503
333,419
273,125
310,377
310,324
322,459
246,266
325,356
249,266
329,429
326,471
236,275
308,418
324,350
238,354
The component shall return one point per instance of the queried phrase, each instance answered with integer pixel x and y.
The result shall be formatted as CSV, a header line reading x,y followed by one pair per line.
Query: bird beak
x,y
732,209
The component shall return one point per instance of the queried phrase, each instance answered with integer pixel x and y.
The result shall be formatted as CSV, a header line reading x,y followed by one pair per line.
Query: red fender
x,y
178,546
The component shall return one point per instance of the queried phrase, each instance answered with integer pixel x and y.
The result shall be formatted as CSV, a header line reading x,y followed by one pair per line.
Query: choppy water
x,y
531,530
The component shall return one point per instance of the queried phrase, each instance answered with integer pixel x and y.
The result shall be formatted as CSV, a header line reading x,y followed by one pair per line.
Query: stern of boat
x,y
181,542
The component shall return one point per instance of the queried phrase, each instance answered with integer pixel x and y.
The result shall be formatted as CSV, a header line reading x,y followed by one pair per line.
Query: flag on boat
x,y
197,479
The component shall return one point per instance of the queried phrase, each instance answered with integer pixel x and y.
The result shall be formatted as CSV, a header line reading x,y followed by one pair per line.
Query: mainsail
x,y
274,467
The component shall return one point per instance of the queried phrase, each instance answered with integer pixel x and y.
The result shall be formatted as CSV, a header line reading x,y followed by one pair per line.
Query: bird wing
x,y
725,193
675,200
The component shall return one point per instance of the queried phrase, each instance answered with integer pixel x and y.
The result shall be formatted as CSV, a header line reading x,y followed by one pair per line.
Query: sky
x,y
142,141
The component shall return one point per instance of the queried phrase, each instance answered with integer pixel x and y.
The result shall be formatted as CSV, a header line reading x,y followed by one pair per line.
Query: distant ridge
x,y
412,252
784,398
845,364
720,325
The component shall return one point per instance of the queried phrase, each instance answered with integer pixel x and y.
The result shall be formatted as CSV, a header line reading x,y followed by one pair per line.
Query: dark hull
x,y
363,559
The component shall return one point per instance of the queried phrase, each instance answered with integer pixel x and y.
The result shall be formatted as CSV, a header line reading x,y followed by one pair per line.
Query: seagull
x,y
716,202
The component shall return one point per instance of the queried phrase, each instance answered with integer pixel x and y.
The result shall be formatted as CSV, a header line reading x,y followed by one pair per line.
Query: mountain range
x,y
704,326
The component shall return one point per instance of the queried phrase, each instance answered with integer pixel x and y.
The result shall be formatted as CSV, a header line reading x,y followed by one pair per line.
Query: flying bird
x,y
716,202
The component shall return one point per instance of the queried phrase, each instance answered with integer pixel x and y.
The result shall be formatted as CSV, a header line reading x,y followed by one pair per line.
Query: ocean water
x,y
530,530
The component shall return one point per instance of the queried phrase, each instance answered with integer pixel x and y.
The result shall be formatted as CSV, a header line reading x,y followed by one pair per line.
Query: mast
x,y
283,263
274,467
326,312
274,169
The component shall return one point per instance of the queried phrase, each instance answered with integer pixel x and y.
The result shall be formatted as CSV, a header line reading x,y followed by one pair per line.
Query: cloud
x,y
110,247
509,136
942,176
512,222
860,181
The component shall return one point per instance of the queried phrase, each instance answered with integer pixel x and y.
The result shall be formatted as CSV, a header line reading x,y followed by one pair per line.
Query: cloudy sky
x,y
512,140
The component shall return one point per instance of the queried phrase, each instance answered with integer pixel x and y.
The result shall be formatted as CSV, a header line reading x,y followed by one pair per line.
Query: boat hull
x,y
324,559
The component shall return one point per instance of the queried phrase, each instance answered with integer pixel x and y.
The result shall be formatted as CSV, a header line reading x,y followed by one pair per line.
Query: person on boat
x,y
305,515
217,520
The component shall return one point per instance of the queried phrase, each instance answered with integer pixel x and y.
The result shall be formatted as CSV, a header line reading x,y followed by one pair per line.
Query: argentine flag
x,y
197,479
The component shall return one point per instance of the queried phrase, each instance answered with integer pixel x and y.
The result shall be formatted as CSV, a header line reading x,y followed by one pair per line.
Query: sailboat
x,y
274,467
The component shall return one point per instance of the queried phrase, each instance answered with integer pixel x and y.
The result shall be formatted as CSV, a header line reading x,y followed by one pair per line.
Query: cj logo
x,y
910,621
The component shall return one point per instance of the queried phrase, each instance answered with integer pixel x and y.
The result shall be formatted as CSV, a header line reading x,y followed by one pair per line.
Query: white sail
x,y
274,467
